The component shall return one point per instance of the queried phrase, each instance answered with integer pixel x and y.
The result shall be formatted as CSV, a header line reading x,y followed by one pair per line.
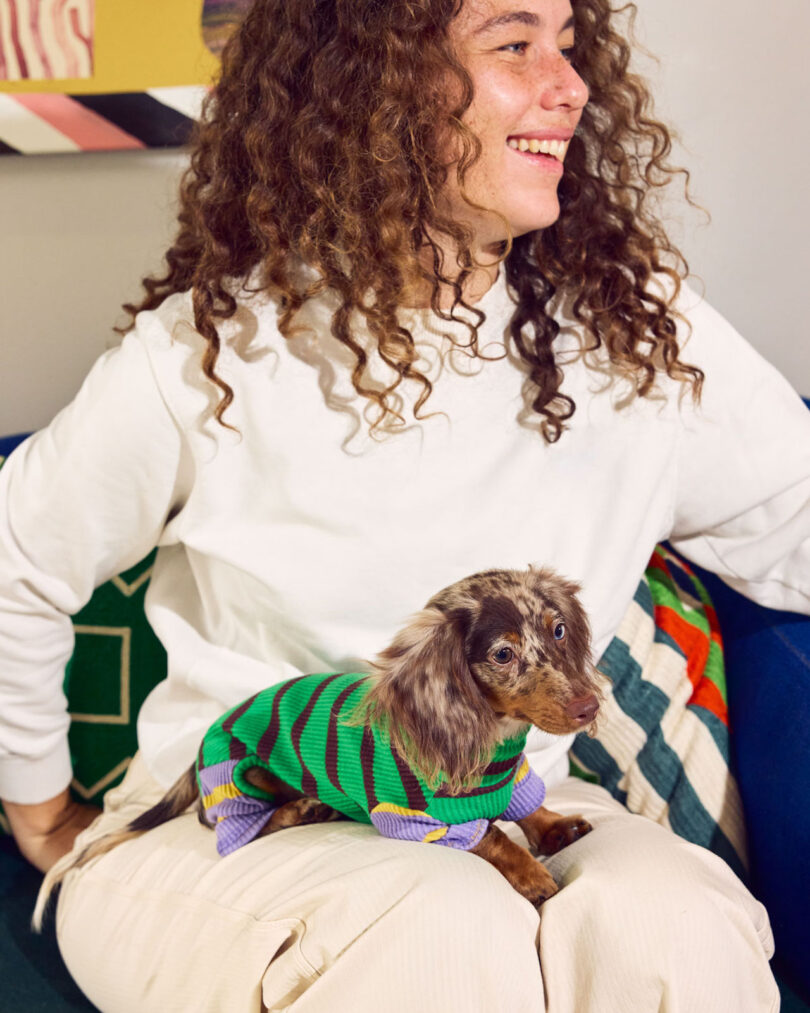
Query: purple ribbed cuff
x,y
238,818
240,822
411,825
528,793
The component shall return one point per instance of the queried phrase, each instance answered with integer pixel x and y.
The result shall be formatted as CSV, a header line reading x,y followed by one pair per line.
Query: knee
x,y
672,919
642,873
466,892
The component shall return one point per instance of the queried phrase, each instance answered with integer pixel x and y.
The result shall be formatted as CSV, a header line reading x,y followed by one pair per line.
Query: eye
x,y
503,655
514,47
567,54
559,631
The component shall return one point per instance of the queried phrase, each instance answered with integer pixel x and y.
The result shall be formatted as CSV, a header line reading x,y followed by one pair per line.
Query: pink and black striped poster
x,y
95,75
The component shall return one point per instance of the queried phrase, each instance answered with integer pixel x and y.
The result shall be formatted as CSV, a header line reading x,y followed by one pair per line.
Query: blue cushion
x,y
768,665
8,443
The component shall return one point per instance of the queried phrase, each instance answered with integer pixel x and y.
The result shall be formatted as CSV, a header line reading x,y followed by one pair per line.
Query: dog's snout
x,y
583,709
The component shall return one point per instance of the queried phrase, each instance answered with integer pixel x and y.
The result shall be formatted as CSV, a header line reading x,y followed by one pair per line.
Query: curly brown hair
x,y
318,147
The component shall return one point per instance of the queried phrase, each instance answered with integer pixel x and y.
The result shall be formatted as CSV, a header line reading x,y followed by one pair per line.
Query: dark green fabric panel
x,y
116,662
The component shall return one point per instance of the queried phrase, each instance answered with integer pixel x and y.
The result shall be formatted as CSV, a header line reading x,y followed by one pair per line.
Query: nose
x,y
583,709
565,88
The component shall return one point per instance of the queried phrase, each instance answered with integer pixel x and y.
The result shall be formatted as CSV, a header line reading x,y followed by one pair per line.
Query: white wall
x,y
78,231
734,77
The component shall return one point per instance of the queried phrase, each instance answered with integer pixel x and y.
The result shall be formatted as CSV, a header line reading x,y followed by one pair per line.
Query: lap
x,y
329,916
334,916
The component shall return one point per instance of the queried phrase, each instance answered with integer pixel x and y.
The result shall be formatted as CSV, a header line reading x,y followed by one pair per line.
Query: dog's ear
x,y
427,701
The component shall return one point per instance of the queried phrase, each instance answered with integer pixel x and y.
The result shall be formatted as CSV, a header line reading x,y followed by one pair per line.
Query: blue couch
x,y
768,666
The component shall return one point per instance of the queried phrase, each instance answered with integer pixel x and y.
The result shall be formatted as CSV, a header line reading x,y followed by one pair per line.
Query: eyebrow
x,y
517,18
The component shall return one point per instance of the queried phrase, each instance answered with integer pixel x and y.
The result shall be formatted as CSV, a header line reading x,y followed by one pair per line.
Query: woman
x,y
398,341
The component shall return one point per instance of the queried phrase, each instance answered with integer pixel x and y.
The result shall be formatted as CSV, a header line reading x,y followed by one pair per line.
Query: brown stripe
x,y
410,782
332,734
367,763
233,717
264,746
309,786
484,789
501,766
236,748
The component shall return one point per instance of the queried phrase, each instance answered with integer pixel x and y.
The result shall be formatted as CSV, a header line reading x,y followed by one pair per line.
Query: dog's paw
x,y
539,898
563,832
540,888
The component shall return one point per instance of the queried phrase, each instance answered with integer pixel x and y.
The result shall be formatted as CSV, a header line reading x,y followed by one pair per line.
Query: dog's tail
x,y
177,799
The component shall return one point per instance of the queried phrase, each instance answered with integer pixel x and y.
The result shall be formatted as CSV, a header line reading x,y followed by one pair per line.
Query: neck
x,y
477,281
511,728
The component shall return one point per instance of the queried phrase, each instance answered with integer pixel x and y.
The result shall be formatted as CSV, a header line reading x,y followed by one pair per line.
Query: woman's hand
x,y
46,831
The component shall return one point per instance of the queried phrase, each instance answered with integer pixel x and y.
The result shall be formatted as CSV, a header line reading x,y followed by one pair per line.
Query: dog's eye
x,y
559,631
503,655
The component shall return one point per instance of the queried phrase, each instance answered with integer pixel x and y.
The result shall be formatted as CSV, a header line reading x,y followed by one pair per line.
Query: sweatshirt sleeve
x,y
742,505
80,501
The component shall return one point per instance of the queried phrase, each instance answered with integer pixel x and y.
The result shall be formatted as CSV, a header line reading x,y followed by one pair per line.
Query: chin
x,y
538,223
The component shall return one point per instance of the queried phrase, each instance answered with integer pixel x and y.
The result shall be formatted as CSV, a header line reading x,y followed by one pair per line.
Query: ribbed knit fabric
x,y
302,732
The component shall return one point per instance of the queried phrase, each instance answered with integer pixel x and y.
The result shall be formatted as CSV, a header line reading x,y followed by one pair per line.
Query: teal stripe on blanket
x,y
718,730
687,816
595,760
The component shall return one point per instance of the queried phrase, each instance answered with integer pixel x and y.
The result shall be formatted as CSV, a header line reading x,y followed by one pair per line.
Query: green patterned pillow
x,y
116,662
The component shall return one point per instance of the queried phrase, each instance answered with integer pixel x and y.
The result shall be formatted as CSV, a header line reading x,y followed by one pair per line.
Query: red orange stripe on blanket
x,y
702,648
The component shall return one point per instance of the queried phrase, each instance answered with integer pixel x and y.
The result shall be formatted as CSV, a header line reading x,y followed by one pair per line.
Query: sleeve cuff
x,y
30,781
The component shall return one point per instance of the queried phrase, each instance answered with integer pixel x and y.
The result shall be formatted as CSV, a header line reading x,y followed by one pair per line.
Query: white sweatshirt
x,y
294,546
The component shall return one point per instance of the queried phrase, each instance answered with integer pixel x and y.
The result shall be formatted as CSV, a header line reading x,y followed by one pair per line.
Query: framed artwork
x,y
95,75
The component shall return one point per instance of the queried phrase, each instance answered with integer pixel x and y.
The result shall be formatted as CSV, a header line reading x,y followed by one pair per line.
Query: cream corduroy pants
x,y
334,918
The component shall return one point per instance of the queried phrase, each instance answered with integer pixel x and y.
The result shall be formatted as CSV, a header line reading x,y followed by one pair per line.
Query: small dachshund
x,y
428,747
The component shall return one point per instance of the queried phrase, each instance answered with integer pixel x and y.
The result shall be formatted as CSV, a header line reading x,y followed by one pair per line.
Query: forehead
x,y
511,601
515,611
479,18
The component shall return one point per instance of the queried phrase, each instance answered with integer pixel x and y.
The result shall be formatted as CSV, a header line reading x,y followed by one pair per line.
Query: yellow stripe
x,y
524,770
398,810
435,835
218,794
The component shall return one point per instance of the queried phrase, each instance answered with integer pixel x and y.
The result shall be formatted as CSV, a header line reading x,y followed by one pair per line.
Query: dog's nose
x,y
583,709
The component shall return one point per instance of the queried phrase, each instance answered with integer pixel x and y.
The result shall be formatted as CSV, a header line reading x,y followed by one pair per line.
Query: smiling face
x,y
527,103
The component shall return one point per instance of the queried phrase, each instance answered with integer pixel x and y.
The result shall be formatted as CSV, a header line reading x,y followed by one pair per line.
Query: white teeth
x,y
556,149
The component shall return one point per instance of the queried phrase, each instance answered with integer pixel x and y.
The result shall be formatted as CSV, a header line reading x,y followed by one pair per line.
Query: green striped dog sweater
x,y
300,731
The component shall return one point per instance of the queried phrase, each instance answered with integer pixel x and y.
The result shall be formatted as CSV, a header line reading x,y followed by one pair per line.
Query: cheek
x,y
506,685
499,103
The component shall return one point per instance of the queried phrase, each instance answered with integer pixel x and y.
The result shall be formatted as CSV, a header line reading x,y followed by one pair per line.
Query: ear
x,y
427,701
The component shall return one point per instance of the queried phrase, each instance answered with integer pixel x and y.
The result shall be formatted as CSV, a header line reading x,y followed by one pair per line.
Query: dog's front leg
x,y
527,876
549,832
